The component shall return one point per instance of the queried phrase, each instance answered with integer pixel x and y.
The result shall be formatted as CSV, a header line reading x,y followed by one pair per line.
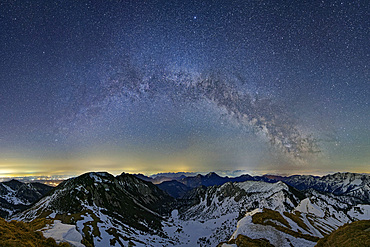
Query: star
x,y
240,84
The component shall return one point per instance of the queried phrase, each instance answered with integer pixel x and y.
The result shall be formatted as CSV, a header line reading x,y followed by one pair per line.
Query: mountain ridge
x,y
355,184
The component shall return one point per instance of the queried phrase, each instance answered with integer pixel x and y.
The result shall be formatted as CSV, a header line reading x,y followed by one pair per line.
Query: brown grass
x,y
266,217
356,234
297,218
18,234
244,241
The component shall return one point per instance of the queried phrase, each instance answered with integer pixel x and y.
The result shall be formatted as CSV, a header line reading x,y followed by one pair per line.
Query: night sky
x,y
165,86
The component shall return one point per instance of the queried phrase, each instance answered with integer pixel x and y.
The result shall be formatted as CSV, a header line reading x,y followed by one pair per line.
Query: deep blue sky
x,y
157,86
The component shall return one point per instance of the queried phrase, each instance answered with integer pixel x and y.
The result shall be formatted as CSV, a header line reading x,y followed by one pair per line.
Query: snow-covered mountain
x,y
184,184
216,201
315,217
284,215
106,210
123,210
351,184
16,196
216,209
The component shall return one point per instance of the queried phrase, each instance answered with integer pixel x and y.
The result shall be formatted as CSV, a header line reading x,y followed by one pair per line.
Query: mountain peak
x,y
14,184
212,175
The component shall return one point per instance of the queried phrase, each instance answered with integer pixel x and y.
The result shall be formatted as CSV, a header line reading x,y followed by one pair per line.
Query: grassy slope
x,y
356,234
348,235
17,233
265,217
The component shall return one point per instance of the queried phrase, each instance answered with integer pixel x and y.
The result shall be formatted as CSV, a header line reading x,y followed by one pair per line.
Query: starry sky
x,y
260,87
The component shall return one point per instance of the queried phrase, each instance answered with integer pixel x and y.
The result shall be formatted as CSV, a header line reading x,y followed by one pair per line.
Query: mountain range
x,y
353,184
99,209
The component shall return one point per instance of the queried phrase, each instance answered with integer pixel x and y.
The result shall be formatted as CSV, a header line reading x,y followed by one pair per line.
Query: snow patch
x,y
95,177
357,181
360,212
229,245
52,215
63,233
306,206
